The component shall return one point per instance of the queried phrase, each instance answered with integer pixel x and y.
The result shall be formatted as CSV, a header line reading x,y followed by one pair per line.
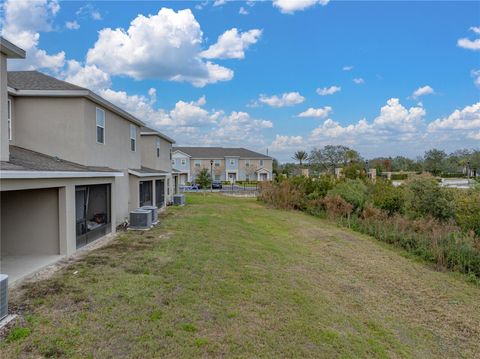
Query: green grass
x,y
229,277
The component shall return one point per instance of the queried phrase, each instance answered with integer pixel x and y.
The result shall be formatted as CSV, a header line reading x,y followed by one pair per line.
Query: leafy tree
x,y
331,157
352,191
434,161
468,210
424,197
203,178
387,197
300,156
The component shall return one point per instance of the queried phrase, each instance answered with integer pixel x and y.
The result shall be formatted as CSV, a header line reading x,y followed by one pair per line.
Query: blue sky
x,y
283,75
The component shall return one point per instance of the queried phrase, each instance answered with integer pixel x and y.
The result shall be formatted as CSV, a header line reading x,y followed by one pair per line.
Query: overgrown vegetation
x,y
438,224
229,277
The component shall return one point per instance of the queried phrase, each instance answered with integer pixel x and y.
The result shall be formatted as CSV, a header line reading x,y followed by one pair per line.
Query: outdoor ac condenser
x,y
179,199
154,211
140,219
3,296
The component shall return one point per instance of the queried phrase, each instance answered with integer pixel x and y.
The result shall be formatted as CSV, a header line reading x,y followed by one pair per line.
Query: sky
x,y
385,78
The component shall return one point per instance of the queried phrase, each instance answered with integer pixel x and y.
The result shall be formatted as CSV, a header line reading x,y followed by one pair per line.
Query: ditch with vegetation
x,y
230,277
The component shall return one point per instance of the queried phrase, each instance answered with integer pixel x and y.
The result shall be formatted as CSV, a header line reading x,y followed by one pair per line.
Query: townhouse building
x,y
225,164
72,167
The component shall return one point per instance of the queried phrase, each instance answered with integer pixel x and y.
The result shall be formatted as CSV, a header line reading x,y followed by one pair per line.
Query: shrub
x,y
467,214
387,197
352,191
337,207
424,198
399,176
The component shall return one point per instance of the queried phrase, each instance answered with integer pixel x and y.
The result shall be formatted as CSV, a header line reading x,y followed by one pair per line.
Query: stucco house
x,y
226,164
72,166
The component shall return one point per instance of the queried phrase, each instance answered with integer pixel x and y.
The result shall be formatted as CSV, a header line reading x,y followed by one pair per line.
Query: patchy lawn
x,y
229,277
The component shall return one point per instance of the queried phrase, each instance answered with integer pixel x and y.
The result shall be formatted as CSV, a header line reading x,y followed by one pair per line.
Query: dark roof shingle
x,y
220,152
34,80
22,159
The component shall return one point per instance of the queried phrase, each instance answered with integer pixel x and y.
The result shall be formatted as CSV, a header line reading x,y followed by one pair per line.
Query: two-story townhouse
x,y
154,183
226,164
50,206
181,165
73,166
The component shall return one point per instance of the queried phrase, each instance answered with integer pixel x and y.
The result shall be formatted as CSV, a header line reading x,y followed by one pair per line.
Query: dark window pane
x,y
132,144
100,135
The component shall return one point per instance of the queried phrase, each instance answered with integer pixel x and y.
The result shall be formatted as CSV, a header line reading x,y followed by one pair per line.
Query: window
x,y
247,163
100,118
168,186
9,119
232,162
197,163
133,138
217,177
170,153
157,145
217,163
173,162
184,162
261,162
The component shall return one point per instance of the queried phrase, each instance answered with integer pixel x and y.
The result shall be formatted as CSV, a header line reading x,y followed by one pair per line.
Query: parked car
x,y
217,185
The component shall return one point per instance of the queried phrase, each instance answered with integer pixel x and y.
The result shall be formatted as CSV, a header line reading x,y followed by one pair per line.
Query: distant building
x,y
226,164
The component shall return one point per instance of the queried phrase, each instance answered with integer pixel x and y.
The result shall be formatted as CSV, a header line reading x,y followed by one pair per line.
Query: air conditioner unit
x,y
140,219
3,296
179,199
154,211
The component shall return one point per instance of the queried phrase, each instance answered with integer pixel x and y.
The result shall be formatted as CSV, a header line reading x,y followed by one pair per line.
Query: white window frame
x,y
232,162
217,163
133,128
9,119
97,110
157,147
183,161
247,163
260,162
198,163
173,162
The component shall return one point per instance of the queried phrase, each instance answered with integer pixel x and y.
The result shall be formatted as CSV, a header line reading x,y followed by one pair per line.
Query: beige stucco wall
x,y
29,222
66,224
66,127
134,183
148,149
4,153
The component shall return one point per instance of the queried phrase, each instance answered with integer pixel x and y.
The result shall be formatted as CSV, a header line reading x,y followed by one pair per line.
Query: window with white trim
x,y
157,146
197,163
133,137
261,162
217,163
173,162
183,161
9,118
247,163
100,120
232,162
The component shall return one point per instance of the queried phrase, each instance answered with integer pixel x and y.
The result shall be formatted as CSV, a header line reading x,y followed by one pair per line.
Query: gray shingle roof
x,y
220,152
147,130
22,159
144,169
34,80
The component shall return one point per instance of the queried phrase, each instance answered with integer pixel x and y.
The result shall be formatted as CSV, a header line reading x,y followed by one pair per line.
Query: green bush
x,y
468,210
352,191
424,198
387,197
399,176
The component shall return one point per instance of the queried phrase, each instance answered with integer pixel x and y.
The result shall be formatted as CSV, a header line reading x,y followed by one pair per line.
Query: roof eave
x,y
20,174
11,50
159,134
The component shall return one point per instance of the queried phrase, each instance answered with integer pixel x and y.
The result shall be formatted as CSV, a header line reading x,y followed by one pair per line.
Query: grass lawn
x,y
229,277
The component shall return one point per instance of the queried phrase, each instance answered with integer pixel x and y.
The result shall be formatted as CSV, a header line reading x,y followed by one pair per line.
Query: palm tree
x,y
300,156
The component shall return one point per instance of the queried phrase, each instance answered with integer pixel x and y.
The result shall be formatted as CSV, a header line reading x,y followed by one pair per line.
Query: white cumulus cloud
x,y
325,91
467,118
166,45
232,44
284,100
72,25
316,112
422,91
290,6
358,80
469,44
22,24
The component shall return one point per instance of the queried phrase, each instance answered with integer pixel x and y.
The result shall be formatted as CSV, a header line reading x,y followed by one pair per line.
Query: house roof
x,y
37,84
147,172
220,152
11,50
147,131
25,160
34,80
